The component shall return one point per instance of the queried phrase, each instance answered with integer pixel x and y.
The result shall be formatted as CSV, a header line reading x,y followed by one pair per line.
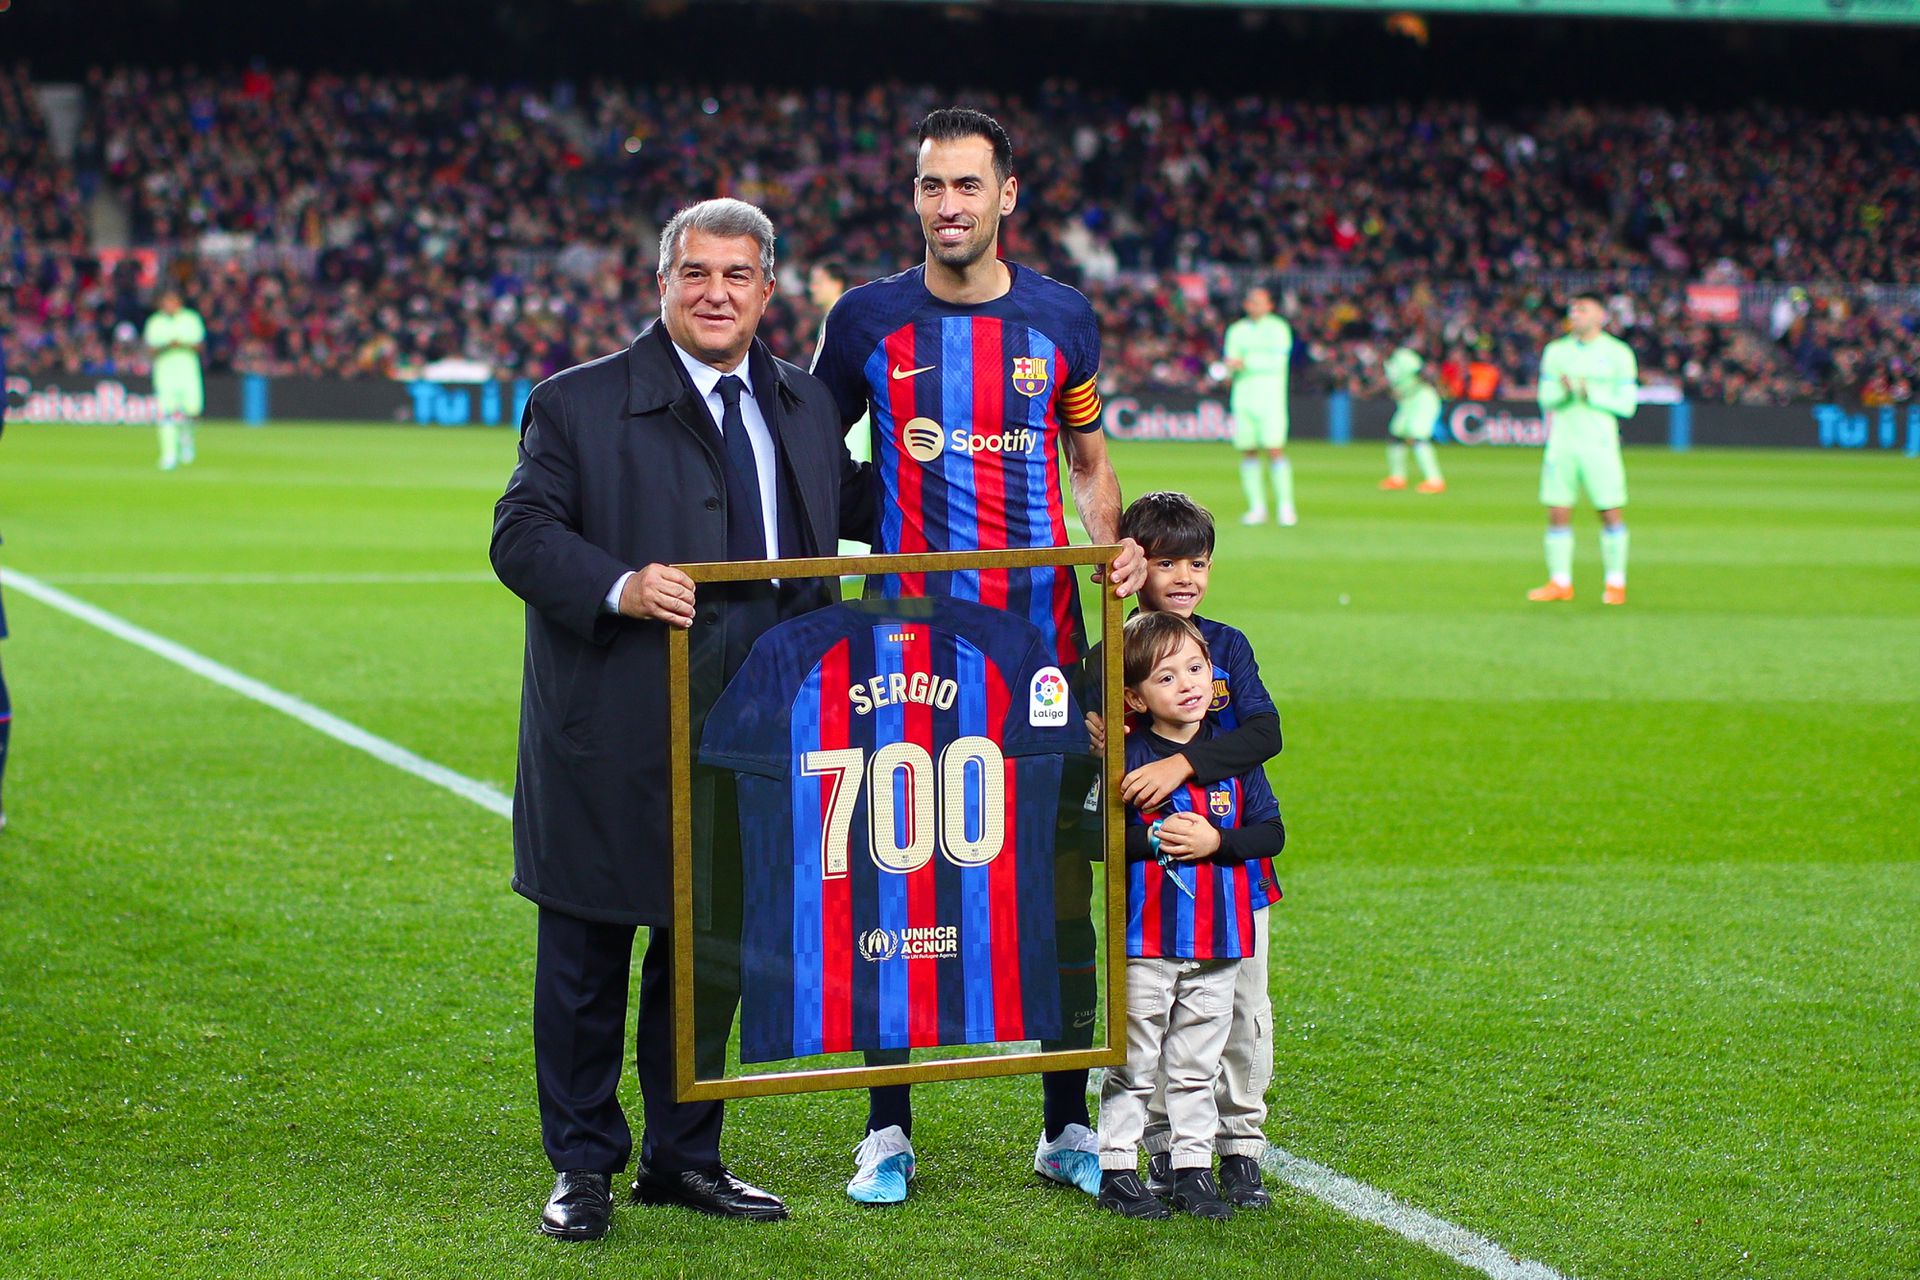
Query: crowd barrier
x,y
1145,416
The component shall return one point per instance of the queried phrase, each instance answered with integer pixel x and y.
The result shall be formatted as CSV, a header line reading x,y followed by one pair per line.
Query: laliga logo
x,y
879,944
1047,698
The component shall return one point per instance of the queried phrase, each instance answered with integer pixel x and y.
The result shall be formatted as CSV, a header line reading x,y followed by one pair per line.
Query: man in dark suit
x,y
694,444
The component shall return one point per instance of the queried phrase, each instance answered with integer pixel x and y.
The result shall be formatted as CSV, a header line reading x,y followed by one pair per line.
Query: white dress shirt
x,y
706,380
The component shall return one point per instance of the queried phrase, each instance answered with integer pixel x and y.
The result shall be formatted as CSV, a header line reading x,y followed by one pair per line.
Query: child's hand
x,y
1149,786
1097,732
1188,837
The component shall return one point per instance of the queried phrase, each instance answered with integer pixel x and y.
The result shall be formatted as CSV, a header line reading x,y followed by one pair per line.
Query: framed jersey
x,y
908,774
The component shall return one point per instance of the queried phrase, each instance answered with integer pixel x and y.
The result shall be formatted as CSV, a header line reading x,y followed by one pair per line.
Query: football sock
x,y
1429,464
1063,1100
1253,484
1064,1093
169,442
1560,556
890,1104
186,439
1283,482
1397,461
1613,555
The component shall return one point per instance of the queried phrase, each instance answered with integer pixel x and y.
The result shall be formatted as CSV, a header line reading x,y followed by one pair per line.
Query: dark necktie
x,y
746,535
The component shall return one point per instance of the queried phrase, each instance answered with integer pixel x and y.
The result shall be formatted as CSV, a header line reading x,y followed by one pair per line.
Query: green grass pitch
x,y
1600,937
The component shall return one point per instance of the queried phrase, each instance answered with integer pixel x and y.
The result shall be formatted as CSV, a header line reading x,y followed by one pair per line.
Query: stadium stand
x,y
365,226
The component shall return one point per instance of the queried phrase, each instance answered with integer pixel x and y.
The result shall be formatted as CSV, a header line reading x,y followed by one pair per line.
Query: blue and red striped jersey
x,y
899,772
967,407
1212,918
1238,692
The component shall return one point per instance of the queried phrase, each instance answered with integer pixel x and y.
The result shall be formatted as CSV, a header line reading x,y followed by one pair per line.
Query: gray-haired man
x,y
694,444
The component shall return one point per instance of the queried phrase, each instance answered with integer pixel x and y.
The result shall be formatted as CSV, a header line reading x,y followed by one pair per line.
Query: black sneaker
x,y
1194,1192
1240,1182
1160,1173
1122,1192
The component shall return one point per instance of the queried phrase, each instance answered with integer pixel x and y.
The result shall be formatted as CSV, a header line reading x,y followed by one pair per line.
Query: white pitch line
x,y
1370,1204
264,579
1355,1199
305,712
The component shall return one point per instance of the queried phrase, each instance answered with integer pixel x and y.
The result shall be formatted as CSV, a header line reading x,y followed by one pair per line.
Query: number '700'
x,y
931,806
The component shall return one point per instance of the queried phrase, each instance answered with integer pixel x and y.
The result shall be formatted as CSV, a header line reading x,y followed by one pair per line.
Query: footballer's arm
x,y
1096,496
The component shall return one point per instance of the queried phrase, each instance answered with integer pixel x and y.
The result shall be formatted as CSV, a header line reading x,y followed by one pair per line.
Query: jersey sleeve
x,y
1257,801
150,332
1043,715
1552,394
1250,696
840,361
1619,393
750,727
193,330
1080,406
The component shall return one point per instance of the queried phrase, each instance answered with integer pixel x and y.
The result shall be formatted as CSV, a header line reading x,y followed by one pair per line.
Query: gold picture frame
x,y
688,1086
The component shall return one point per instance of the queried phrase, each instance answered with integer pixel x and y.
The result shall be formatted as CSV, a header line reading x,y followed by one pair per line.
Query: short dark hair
x,y
1165,523
1588,295
832,268
1151,636
950,124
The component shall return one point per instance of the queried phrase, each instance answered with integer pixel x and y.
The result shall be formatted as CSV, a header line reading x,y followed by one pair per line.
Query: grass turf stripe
x,y
305,712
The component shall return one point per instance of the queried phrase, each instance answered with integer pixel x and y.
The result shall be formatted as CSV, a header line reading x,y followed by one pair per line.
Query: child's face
x,y
1179,689
1176,584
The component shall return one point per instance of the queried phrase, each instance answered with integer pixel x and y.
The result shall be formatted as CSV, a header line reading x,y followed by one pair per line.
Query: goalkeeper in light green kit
x,y
1258,348
1589,380
176,334
1416,410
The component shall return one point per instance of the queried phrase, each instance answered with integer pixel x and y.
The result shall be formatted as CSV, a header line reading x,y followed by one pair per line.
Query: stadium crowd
x,y
363,225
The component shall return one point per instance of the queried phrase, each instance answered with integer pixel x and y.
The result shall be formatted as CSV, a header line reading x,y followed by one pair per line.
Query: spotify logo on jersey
x,y
923,439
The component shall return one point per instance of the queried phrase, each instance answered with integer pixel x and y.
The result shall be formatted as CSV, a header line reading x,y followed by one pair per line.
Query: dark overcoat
x,y
620,467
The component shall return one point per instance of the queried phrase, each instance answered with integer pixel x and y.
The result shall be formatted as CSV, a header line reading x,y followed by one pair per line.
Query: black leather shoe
x,y
1241,1183
712,1190
1160,1174
580,1207
1122,1192
1194,1192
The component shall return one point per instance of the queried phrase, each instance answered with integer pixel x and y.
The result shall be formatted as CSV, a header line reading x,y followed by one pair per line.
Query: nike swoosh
x,y
899,373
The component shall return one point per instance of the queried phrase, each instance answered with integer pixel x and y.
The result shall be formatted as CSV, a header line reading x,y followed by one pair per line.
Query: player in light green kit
x,y
1589,380
176,334
1416,410
1258,348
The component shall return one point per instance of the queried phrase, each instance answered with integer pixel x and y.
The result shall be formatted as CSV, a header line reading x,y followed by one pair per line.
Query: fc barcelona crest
x,y
1030,375
1220,803
1220,696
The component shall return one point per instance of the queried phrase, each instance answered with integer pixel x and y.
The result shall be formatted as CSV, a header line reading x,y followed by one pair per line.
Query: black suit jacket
x,y
620,466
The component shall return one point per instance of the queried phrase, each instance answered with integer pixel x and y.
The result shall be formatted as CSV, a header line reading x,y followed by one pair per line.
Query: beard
x,y
969,250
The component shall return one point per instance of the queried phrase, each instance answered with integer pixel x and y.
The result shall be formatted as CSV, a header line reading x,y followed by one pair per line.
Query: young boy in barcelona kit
x,y
1192,861
1178,536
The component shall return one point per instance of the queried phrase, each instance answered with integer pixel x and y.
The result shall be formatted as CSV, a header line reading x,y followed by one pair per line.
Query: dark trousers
x,y
581,974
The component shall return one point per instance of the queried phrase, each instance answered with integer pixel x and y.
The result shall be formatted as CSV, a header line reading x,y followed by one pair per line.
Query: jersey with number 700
x,y
899,773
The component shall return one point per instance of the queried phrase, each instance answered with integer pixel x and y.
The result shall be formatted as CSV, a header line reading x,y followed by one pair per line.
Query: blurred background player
x,y
1416,410
1258,348
175,333
826,281
1589,380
